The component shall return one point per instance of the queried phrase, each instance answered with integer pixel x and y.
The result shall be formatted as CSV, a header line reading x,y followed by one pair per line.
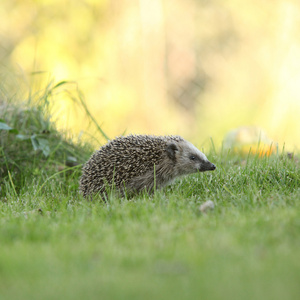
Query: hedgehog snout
x,y
207,166
213,167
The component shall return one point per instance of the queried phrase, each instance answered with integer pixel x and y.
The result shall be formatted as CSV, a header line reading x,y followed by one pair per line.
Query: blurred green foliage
x,y
197,68
30,144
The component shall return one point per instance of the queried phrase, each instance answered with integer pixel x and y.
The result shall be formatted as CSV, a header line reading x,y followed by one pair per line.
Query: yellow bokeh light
x,y
193,68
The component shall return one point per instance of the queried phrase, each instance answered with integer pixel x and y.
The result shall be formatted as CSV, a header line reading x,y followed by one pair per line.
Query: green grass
x,y
56,245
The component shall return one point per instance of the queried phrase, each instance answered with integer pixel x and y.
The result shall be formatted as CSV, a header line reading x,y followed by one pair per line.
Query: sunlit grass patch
x,y
57,245
30,143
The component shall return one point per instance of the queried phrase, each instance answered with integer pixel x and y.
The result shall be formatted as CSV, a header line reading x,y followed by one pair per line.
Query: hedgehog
x,y
135,163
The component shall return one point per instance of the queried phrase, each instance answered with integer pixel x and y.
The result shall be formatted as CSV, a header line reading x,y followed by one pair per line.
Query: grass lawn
x,y
56,245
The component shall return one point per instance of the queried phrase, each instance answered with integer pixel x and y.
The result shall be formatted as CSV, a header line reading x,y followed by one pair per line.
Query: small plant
x,y
30,142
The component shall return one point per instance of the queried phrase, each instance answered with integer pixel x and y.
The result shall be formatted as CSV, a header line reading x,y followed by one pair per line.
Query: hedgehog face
x,y
188,159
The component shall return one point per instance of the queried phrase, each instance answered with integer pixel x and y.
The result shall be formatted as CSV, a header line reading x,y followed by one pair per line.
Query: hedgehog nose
x,y
213,166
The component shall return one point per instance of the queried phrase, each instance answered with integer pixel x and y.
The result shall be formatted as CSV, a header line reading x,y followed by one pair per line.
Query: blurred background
x,y
197,68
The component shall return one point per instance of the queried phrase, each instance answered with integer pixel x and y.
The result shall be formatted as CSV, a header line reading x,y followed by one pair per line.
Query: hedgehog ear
x,y
171,149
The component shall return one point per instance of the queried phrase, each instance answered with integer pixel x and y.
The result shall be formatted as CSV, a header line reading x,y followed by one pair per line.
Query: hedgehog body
x,y
141,162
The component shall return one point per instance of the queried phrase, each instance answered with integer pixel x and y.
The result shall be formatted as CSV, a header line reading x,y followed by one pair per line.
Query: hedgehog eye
x,y
192,157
